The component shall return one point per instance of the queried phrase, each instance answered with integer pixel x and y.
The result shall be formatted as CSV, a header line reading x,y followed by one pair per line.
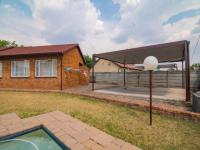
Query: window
x,y
0,69
20,68
46,68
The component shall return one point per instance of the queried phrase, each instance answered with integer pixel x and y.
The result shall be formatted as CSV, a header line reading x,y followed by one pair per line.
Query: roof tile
x,y
49,49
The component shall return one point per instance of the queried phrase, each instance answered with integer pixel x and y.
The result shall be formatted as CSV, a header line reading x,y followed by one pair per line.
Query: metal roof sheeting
x,y
166,52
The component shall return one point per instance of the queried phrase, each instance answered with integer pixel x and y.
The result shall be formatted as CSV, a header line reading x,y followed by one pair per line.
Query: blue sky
x,y
109,10
101,25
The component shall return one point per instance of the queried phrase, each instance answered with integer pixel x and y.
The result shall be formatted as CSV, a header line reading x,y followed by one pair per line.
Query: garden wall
x,y
141,79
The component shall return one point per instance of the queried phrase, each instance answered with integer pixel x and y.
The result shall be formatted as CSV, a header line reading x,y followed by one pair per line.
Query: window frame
x,y
12,69
46,76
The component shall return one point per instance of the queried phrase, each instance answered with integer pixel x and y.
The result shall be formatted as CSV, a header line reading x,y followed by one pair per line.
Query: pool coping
x,y
26,131
73,133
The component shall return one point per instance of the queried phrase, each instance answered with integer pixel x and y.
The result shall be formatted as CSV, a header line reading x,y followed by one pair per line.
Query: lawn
x,y
123,122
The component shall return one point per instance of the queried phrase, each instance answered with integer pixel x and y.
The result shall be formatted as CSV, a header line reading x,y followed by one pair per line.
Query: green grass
x,y
123,122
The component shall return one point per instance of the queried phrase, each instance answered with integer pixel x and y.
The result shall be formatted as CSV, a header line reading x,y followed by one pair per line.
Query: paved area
x,y
174,94
178,108
72,132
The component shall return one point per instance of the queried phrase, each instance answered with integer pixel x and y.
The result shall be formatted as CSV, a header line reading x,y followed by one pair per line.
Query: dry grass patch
x,y
126,123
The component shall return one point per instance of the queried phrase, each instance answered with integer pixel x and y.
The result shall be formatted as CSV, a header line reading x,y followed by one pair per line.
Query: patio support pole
x,y
150,90
93,61
187,71
124,74
182,75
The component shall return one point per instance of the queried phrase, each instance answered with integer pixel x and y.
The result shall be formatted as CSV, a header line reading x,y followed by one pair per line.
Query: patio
x,y
177,51
163,94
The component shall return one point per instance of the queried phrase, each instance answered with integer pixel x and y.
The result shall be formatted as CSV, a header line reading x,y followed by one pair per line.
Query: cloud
x,y
144,20
66,20
139,22
15,25
196,30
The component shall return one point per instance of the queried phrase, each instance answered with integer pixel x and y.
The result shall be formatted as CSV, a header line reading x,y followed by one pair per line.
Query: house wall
x,y
31,82
105,66
74,77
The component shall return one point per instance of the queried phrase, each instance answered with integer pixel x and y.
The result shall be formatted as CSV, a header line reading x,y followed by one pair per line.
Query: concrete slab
x,y
142,92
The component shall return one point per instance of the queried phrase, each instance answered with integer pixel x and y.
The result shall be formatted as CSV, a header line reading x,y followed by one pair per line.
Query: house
x,y
107,66
51,67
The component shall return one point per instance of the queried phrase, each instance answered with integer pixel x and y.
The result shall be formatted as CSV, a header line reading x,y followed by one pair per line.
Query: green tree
x,y
5,43
195,66
88,60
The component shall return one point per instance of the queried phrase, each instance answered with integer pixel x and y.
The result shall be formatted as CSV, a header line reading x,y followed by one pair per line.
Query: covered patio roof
x,y
166,52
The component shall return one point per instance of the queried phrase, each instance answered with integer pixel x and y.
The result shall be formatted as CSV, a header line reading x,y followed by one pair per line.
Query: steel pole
x,y
124,74
150,90
182,75
187,72
93,61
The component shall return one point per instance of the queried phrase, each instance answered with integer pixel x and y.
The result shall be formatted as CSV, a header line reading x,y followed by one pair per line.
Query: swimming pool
x,y
34,139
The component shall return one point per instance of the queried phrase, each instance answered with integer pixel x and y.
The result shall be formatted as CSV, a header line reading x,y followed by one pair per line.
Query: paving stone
x,y
103,139
128,146
71,131
118,142
97,147
2,134
77,146
68,140
112,146
89,143
81,137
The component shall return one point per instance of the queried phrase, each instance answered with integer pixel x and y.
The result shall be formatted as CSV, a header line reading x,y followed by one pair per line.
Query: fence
x,y
141,79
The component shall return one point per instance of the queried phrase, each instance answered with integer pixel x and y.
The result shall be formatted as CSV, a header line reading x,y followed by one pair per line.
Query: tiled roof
x,y
49,49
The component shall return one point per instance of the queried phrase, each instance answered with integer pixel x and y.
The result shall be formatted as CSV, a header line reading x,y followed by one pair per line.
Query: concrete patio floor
x,y
176,94
70,131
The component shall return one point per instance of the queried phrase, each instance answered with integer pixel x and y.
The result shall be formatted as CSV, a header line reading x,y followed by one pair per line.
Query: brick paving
x,y
71,131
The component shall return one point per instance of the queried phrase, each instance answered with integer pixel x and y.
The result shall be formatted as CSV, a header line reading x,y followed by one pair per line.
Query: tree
x,y
5,43
88,60
195,66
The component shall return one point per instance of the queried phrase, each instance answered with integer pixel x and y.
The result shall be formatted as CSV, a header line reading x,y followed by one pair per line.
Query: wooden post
x,y
187,72
150,91
93,63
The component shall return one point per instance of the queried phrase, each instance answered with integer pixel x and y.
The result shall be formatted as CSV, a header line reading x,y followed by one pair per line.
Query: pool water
x,y
35,140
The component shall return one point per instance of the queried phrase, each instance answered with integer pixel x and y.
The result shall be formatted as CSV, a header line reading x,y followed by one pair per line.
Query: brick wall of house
x,y
74,77
31,82
70,58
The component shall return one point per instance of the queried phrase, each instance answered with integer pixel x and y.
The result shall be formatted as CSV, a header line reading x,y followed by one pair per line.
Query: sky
x,y
101,25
